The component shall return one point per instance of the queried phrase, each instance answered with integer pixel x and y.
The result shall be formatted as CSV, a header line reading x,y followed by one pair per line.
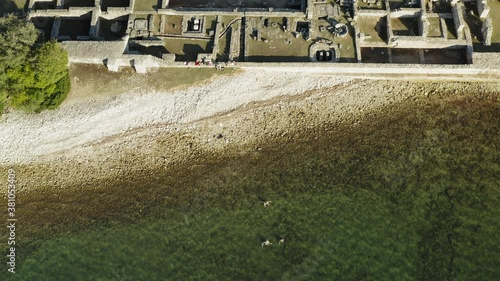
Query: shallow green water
x,y
408,195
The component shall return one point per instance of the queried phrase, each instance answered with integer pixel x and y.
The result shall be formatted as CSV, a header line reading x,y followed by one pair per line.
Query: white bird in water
x,y
266,243
282,240
267,203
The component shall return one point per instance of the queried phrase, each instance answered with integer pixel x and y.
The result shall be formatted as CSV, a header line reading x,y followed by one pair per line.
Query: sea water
x,y
406,194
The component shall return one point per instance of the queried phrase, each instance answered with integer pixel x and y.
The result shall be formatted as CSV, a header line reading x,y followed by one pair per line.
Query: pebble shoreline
x,y
164,145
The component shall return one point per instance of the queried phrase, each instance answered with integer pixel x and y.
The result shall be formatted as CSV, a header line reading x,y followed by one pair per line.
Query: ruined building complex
x,y
156,33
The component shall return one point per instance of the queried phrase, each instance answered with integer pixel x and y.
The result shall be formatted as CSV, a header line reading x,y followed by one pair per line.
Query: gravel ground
x,y
90,144
27,137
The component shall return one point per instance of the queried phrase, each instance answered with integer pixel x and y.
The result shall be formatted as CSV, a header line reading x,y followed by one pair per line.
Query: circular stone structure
x,y
116,27
323,52
341,29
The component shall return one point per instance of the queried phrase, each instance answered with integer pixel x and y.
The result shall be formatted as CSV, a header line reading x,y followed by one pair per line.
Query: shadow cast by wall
x,y
9,6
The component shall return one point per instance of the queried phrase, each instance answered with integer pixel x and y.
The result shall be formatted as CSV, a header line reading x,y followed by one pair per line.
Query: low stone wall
x,y
371,13
115,12
485,67
234,41
146,43
440,15
220,12
487,30
94,52
72,12
418,42
218,29
405,13
477,72
458,11
483,9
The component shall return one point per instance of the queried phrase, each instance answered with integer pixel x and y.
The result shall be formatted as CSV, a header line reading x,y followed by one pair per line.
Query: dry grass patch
x,y
95,81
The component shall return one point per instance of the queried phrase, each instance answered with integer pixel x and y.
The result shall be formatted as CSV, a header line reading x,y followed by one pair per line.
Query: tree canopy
x,y
33,74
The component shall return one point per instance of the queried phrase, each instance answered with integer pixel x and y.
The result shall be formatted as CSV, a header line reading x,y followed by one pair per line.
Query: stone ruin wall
x,y
144,62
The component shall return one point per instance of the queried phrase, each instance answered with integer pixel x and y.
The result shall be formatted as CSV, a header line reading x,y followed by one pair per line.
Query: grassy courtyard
x,y
146,5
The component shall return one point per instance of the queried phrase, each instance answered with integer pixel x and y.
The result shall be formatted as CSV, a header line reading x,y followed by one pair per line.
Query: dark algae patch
x,y
407,194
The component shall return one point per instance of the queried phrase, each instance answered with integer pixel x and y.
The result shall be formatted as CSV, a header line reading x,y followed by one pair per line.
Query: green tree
x,y
50,65
33,76
17,38
51,78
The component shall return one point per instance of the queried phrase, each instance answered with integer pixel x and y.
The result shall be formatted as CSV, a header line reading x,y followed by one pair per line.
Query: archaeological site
x,y
149,34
